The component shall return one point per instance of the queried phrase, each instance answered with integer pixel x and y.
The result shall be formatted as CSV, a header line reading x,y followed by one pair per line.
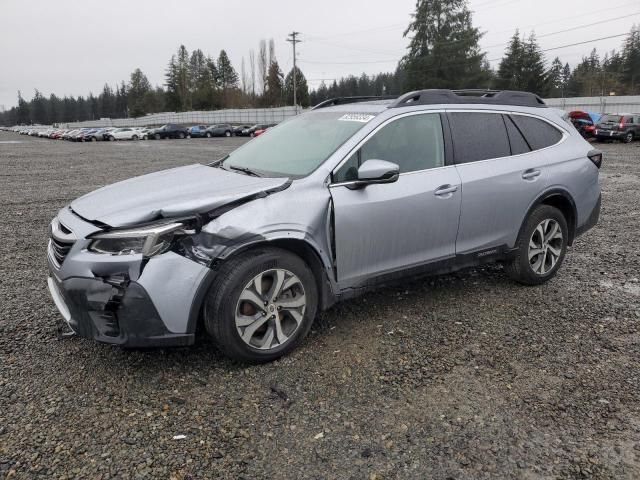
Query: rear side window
x,y
478,136
538,133
518,143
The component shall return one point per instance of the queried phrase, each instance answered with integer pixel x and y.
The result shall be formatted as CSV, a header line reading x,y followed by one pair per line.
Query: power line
x,y
449,44
489,60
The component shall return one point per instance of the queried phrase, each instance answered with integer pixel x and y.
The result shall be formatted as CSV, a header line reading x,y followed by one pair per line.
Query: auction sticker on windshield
x,y
356,117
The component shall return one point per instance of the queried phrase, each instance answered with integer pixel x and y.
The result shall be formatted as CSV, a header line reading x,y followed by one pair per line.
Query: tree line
x,y
443,52
193,81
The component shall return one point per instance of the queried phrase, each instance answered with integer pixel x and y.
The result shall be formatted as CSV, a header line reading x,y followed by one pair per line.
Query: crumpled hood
x,y
169,193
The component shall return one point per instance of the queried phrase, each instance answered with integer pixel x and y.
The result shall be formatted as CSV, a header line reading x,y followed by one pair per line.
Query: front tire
x,y
181,135
157,136
540,248
263,305
134,138
208,134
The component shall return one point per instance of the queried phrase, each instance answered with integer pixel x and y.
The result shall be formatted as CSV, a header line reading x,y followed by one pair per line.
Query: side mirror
x,y
376,171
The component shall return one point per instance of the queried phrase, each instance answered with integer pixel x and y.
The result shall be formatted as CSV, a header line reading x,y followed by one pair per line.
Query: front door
x,y
385,228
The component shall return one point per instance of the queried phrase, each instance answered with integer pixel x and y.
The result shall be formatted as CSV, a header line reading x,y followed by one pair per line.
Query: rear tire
x,y
134,138
181,135
269,331
112,138
628,138
540,248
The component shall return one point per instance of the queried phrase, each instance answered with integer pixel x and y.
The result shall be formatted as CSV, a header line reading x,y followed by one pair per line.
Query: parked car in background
x,y
624,127
260,127
240,129
170,130
199,131
330,204
125,133
95,135
144,133
220,130
585,122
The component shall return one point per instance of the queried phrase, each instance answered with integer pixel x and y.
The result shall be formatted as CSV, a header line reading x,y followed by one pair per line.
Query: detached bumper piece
x,y
115,311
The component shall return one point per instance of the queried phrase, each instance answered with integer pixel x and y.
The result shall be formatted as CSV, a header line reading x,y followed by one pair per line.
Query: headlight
x,y
148,241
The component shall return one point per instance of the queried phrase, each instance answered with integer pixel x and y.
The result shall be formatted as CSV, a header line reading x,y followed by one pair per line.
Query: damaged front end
x,y
138,285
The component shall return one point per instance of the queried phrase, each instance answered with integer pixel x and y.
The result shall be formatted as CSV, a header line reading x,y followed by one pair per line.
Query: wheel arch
x,y
327,296
563,201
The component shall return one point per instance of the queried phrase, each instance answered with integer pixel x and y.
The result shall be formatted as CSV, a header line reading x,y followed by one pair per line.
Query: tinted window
x,y
413,143
478,136
518,143
539,134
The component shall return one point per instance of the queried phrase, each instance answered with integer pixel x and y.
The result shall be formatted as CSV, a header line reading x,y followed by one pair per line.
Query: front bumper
x,y
125,300
117,314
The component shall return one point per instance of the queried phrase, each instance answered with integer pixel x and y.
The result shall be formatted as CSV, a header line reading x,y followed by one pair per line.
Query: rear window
x,y
611,119
538,133
478,136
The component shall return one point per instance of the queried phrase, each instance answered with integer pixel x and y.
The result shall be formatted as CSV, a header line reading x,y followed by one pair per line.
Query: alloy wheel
x,y
545,246
270,309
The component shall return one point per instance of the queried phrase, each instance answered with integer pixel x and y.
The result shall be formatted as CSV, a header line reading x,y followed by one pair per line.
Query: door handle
x,y
445,190
531,174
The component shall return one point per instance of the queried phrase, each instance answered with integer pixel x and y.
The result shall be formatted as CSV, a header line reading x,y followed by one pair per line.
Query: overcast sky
x,y
72,47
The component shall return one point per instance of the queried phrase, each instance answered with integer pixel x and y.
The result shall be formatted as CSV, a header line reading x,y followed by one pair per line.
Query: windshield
x,y
298,146
610,119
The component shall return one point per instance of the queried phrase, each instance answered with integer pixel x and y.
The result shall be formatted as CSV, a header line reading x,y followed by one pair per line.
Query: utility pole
x,y
293,39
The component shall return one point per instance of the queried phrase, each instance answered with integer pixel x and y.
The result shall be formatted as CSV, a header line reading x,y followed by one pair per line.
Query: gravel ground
x,y
461,376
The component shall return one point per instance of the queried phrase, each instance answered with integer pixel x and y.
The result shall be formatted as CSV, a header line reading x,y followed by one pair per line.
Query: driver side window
x,y
414,143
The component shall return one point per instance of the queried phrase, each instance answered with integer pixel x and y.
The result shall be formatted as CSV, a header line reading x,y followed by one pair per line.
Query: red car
x,y
259,129
585,122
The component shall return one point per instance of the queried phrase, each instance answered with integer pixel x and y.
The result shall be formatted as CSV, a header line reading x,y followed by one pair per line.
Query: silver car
x,y
334,202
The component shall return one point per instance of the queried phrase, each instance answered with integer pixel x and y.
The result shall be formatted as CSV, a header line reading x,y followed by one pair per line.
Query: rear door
x,y
390,227
502,160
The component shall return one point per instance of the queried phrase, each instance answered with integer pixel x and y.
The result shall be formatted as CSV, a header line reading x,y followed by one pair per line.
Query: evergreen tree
x,y
631,61
139,86
22,117
106,103
227,76
38,108
275,85
171,82
444,50
302,89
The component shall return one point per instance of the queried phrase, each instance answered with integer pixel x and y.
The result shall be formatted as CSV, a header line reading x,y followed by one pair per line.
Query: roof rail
x,y
345,100
470,96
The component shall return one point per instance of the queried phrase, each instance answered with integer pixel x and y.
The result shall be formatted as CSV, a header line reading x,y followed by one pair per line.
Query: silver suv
x,y
356,193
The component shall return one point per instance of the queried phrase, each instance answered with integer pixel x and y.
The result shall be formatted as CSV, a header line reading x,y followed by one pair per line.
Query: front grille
x,y
60,243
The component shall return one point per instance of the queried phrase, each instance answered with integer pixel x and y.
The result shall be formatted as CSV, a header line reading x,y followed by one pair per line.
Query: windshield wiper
x,y
246,170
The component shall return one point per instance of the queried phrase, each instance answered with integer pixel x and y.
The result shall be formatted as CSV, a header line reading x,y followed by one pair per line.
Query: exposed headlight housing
x,y
148,241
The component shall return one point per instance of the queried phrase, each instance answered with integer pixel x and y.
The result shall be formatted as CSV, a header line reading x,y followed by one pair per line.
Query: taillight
x,y
596,157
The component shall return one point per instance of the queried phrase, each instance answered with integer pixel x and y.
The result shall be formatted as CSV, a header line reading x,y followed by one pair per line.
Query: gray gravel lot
x,y
462,376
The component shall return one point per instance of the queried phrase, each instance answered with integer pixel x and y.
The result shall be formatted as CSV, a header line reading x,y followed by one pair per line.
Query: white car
x,y
124,134
143,133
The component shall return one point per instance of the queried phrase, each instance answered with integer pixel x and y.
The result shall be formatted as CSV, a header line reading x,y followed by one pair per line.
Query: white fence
x,y
252,116
248,116
630,104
